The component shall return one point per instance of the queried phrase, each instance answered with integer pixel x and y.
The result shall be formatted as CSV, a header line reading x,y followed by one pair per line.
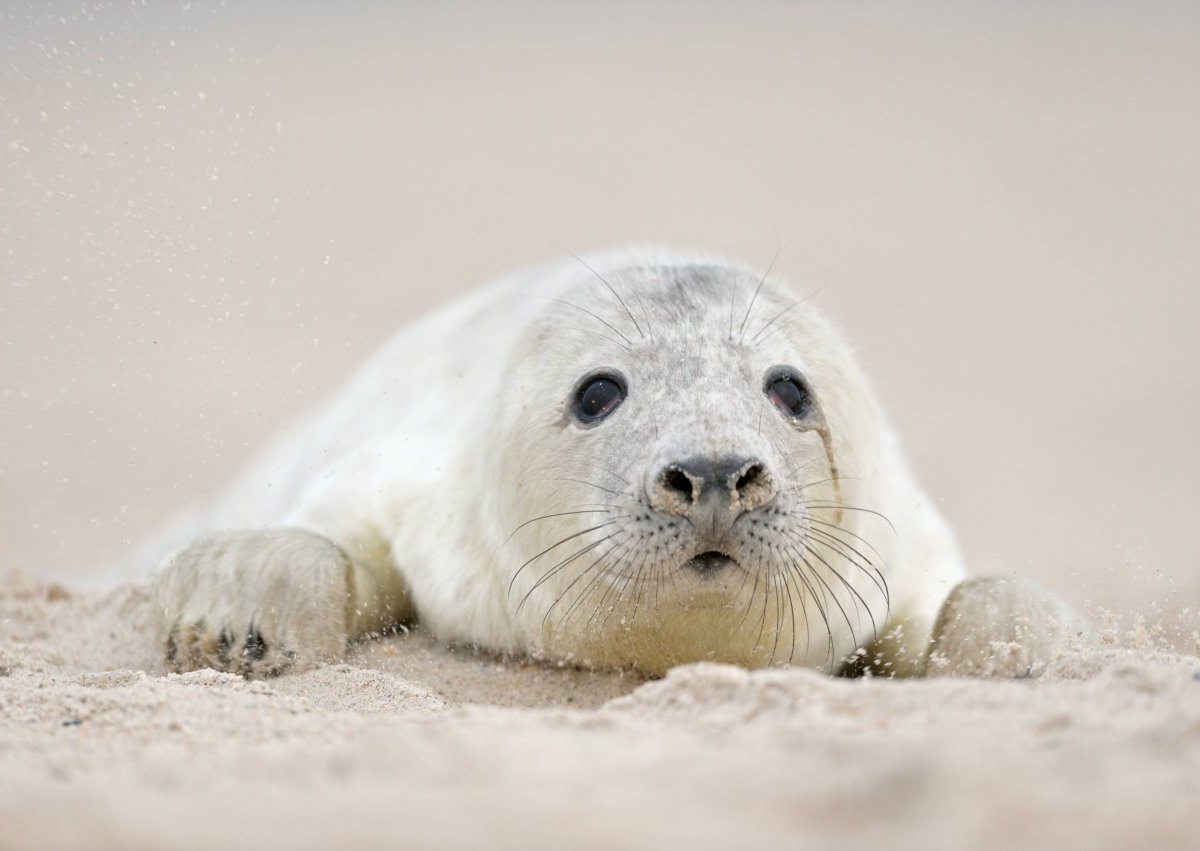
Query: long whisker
x,y
612,586
825,539
646,316
637,589
611,290
626,577
791,604
605,322
762,621
849,587
754,339
753,298
552,546
857,597
601,335
807,485
603,510
812,593
837,506
613,473
611,551
591,484
843,530
816,574
779,595
750,601
560,566
615,552
789,586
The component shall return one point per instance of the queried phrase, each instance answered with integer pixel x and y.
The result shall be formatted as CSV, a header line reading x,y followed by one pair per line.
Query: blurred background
x,y
210,213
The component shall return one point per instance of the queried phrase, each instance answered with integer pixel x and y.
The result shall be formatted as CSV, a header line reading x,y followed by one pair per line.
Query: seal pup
x,y
634,460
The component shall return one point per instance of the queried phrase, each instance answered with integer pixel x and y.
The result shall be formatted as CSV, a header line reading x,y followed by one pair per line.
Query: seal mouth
x,y
709,563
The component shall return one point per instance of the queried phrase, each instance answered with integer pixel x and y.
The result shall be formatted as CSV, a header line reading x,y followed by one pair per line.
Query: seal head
x,y
691,467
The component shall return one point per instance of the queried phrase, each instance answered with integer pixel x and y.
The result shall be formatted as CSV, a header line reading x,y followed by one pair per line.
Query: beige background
x,y
210,215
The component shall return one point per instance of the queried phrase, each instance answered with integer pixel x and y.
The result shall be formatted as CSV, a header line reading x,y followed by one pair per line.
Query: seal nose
x,y
712,492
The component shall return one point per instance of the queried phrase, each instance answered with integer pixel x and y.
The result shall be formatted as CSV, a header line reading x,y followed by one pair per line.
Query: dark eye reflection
x,y
597,397
789,394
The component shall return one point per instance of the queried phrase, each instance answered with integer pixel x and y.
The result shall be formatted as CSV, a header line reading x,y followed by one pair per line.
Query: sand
x,y
211,212
409,744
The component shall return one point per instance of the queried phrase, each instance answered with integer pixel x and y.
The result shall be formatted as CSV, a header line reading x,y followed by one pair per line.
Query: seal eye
x,y
597,397
789,394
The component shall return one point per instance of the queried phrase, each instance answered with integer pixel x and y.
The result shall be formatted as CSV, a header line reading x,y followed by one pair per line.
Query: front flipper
x,y
255,603
1002,627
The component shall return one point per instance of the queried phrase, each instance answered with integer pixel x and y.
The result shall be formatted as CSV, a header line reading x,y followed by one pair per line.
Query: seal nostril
x,y
675,480
752,475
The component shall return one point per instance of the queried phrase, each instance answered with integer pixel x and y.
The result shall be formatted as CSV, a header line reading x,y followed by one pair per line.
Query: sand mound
x,y
412,744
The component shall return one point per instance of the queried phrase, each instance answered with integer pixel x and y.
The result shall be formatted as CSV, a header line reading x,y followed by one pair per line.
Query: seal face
x,y
674,484
641,458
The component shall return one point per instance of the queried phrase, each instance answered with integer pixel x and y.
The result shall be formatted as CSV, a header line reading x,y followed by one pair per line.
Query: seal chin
x,y
709,563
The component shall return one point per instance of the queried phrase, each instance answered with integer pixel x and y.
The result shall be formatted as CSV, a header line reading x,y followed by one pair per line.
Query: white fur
x,y
424,468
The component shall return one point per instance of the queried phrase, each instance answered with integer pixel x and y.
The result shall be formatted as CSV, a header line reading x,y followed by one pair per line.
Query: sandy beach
x,y
412,745
210,215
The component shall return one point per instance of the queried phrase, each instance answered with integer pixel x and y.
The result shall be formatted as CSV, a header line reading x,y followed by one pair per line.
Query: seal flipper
x,y
1002,627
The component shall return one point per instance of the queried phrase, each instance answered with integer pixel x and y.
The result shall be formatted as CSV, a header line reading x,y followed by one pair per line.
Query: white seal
x,y
639,459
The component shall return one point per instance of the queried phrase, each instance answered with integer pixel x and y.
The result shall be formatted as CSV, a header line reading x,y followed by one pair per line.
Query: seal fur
x,y
452,482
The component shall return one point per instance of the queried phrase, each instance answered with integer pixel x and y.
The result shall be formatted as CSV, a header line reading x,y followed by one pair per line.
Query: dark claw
x,y
224,642
173,646
255,647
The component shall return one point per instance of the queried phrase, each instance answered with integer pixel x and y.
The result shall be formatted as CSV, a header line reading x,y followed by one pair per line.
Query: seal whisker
x,y
831,534
560,566
597,562
604,510
732,303
779,595
628,342
750,600
552,546
623,577
637,589
615,551
594,585
614,474
753,298
600,334
754,341
807,485
805,541
762,623
793,563
829,541
816,575
614,576
837,506
634,593
786,590
843,530
790,584
875,577
611,290
646,316
592,484
856,598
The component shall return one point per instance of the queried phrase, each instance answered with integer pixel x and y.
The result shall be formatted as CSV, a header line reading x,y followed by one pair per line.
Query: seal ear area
x,y
597,395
